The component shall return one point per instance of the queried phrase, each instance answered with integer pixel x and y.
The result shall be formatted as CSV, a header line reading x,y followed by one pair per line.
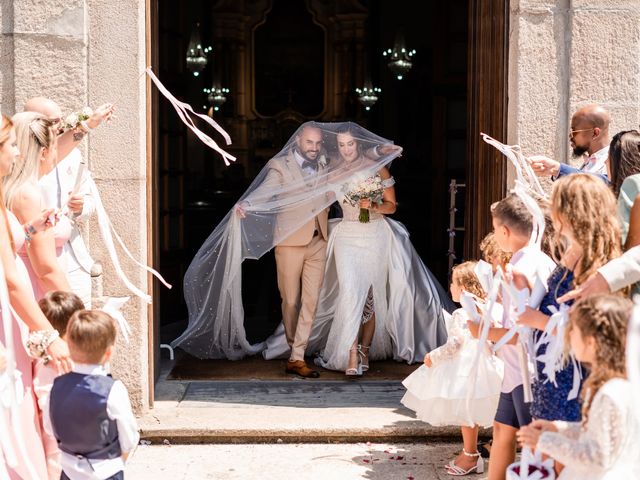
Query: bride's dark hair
x,y
348,128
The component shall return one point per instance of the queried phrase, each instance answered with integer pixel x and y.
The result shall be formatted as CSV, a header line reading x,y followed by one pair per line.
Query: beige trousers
x,y
300,275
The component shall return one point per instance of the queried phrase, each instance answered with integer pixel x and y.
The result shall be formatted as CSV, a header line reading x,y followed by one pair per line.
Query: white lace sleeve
x,y
389,182
569,429
454,342
596,447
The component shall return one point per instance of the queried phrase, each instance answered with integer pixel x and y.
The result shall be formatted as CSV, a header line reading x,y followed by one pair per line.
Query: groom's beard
x,y
309,155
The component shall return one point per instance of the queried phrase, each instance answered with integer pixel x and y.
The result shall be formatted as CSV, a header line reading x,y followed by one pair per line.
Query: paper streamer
x,y
524,172
108,232
113,306
184,110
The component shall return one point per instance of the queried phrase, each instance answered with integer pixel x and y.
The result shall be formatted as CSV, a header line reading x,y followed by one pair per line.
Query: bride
x,y
361,273
378,300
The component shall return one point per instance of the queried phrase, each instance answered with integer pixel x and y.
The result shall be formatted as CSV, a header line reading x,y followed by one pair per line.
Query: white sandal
x,y
456,471
355,372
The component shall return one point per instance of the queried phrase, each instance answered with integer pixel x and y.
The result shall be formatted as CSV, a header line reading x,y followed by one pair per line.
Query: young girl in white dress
x,y
439,391
604,445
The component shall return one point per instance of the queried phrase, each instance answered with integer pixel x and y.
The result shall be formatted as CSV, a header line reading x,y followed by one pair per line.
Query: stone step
x,y
298,411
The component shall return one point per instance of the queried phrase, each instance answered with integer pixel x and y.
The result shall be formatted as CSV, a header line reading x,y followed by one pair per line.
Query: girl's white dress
x,y
606,448
456,390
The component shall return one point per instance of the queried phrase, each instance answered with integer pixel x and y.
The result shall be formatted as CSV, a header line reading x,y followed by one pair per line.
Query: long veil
x,y
269,211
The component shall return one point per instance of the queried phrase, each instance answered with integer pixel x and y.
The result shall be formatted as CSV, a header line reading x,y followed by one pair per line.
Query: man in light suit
x,y
80,203
300,256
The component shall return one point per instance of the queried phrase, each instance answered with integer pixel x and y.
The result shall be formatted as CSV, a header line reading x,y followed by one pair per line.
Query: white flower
x,y
71,120
86,111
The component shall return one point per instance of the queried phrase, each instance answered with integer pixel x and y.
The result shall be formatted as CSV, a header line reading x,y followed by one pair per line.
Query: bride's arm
x,y
388,197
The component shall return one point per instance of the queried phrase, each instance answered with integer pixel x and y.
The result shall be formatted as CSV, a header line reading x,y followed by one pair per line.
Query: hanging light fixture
x,y
399,57
368,95
216,96
196,55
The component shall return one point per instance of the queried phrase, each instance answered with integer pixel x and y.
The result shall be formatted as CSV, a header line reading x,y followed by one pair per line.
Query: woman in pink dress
x,y
37,143
30,456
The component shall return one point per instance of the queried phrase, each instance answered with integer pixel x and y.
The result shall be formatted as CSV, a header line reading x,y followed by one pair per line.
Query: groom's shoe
x,y
299,367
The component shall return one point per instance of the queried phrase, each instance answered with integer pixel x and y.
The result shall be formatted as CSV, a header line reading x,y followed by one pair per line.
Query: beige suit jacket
x,y
285,170
622,271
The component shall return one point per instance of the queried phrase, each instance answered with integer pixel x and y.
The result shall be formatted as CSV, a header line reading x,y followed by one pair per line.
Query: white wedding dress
x,y
372,261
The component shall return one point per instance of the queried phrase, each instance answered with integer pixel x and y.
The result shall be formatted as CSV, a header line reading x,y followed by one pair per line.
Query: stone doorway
x,y
435,112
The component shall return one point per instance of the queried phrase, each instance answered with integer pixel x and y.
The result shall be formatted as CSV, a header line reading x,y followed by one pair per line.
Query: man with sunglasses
x,y
62,180
589,139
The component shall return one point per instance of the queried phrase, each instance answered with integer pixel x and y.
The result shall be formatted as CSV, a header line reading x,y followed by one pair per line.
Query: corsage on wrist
x,y
77,121
39,341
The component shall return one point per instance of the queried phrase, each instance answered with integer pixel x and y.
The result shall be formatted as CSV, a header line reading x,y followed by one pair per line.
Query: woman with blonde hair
x,y
44,340
37,142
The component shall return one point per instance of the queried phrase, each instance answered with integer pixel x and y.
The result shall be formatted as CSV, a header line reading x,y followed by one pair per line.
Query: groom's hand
x,y
241,209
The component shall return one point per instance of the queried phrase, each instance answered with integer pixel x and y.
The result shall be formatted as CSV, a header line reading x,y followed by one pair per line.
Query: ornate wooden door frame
x,y
487,112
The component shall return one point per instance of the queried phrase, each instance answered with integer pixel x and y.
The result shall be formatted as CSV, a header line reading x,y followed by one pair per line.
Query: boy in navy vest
x,y
90,413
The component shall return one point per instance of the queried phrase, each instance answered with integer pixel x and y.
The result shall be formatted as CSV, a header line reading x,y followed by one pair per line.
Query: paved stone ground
x,y
372,461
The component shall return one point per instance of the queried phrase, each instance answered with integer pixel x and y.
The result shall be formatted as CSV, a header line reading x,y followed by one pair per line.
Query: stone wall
x,y
565,54
88,52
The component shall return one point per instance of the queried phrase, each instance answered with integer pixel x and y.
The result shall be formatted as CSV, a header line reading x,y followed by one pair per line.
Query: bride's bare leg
x,y
368,330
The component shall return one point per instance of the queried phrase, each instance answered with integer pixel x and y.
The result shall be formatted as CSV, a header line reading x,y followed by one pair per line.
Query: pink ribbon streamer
x,y
184,110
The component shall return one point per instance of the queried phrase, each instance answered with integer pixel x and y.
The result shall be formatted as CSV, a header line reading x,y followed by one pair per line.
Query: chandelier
x,y
216,96
399,57
368,95
196,55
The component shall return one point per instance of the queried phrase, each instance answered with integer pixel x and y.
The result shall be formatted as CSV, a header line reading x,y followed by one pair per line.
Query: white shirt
x,y
530,262
595,163
118,409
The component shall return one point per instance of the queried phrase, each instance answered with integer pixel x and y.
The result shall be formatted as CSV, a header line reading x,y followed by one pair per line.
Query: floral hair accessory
x,y
39,341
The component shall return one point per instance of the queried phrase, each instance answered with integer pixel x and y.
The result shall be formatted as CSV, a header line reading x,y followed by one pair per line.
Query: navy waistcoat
x,y
78,411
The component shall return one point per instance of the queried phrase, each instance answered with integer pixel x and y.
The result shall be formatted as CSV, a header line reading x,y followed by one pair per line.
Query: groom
x,y
301,256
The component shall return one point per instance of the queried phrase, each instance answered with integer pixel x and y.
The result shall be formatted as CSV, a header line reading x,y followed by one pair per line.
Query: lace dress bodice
x,y
605,446
351,213
457,332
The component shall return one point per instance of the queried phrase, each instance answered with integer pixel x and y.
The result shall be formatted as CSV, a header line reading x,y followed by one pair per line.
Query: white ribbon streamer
x,y
106,230
184,110
524,172
113,306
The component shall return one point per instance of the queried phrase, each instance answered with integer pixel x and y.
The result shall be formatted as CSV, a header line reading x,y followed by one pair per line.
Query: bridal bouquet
x,y
369,189
74,119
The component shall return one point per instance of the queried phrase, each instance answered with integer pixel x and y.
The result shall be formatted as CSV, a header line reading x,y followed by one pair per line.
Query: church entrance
x,y
262,67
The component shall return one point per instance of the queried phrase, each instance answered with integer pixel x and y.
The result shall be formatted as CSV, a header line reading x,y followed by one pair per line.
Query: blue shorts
x,y
512,410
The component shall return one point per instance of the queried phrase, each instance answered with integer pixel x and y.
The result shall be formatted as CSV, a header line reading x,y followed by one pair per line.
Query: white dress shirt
x,y
118,409
595,163
530,262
